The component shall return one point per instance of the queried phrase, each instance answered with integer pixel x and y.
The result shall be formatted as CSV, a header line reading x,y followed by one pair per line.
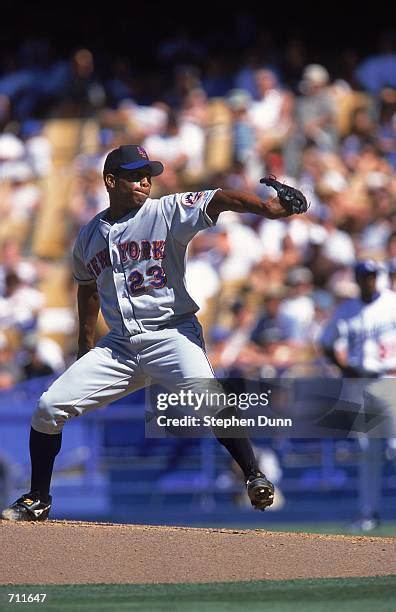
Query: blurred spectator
x,y
87,198
186,78
378,71
199,267
324,304
10,372
11,149
298,305
330,247
38,148
20,306
194,108
375,235
80,93
293,63
270,115
361,134
11,260
180,47
386,130
20,199
243,132
226,343
230,239
315,117
40,356
120,84
180,146
216,78
272,344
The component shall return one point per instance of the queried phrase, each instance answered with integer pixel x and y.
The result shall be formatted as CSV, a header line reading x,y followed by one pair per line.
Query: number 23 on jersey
x,y
138,284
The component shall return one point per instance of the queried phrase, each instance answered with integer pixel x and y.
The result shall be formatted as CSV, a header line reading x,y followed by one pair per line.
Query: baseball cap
x,y
130,157
314,74
365,267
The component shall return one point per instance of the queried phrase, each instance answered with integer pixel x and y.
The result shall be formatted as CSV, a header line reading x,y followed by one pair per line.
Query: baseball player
x,y
361,340
130,261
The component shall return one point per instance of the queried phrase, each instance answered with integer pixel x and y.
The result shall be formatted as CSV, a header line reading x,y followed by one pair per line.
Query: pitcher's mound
x,y
69,552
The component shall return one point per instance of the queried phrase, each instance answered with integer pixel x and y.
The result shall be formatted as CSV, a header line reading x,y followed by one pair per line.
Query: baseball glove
x,y
293,200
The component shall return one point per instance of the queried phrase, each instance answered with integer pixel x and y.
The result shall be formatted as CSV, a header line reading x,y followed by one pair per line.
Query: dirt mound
x,y
64,552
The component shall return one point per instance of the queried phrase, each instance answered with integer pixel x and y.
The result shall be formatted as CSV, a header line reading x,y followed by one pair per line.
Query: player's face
x,y
367,283
133,186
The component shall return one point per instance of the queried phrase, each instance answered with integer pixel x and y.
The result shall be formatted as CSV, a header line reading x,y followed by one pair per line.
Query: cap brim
x,y
157,167
366,272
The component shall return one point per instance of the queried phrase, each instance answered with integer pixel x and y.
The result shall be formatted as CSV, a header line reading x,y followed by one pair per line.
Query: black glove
x,y
290,198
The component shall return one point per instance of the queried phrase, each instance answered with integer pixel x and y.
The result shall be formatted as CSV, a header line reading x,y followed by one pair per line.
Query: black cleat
x,y
260,491
29,507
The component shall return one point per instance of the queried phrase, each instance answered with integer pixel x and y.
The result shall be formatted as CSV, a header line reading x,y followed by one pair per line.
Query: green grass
x,y
319,595
386,529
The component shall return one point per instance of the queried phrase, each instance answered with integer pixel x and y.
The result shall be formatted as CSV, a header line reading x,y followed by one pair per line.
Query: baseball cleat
x,y
260,491
29,507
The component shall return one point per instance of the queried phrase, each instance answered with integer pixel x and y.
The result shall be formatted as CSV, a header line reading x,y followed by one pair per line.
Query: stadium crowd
x,y
265,288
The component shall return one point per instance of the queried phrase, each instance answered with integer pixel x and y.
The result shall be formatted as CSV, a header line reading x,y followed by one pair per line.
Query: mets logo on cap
x,y
141,152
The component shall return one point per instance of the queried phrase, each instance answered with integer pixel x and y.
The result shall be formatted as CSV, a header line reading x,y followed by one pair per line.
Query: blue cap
x,y
130,157
368,266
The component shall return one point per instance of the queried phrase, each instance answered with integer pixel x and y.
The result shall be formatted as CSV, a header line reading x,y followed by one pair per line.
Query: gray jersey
x,y
138,262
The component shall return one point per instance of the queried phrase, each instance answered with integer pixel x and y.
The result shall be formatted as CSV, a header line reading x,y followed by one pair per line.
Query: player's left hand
x,y
292,199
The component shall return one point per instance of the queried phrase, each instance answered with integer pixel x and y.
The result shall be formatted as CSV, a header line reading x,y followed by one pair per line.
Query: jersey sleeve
x,y
186,214
81,274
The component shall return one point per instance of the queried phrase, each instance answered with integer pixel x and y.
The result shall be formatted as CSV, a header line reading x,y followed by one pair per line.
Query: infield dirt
x,y
69,552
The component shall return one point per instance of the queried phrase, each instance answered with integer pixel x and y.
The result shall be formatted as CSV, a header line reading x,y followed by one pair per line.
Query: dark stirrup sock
x,y
43,450
241,450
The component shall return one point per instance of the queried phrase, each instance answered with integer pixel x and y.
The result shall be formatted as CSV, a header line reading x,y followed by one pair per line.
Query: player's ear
x,y
109,180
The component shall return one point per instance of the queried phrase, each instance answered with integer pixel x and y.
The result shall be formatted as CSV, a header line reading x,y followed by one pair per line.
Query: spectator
x,y
226,343
298,305
20,306
273,341
38,148
10,372
270,115
11,260
386,129
378,71
361,134
315,117
80,93
181,146
243,132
